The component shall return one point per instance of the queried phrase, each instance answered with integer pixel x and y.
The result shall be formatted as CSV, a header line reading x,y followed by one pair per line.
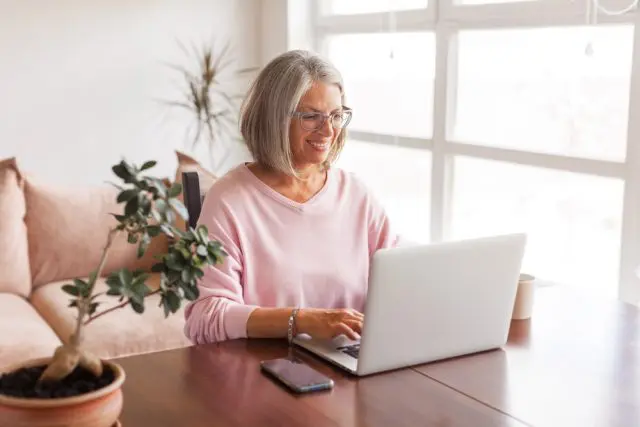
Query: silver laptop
x,y
431,302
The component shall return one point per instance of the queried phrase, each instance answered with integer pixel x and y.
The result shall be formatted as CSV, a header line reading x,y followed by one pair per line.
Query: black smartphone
x,y
296,375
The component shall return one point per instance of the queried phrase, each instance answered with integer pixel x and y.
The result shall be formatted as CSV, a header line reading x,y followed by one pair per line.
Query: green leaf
x,y
161,206
158,187
186,276
93,307
137,307
114,279
179,207
173,276
175,190
73,303
198,273
136,296
167,229
148,165
144,244
165,306
132,238
119,218
121,171
141,278
172,301
170,217
145,206
114,292
190,292
203,232
82,286
157,268
153,230
131,207
174,263
125,277
71,290
127,195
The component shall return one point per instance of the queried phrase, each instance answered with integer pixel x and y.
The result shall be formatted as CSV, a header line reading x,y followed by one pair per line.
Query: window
x,y
390,80
573,220
481,117
346,7
553,90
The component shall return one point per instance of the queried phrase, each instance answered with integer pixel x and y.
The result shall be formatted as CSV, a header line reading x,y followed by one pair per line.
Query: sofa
x,y
51,234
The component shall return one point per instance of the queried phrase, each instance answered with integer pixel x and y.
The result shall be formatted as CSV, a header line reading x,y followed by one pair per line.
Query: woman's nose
x,y
326,129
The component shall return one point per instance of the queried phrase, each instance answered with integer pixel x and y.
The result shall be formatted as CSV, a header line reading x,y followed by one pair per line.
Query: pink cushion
x,y
24,334
67,230
120,332
14,256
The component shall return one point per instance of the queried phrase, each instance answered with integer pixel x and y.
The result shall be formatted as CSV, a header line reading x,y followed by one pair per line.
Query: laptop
x,y
431,302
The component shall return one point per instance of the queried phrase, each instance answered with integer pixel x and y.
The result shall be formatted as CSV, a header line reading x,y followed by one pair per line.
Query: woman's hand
x,y
328,324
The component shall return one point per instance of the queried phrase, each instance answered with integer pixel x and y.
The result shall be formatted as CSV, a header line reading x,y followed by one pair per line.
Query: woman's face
x,y
312,133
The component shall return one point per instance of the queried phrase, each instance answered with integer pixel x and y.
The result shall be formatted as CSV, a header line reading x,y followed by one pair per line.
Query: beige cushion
x,y
67,230
118,333
24,334
14,255
187,163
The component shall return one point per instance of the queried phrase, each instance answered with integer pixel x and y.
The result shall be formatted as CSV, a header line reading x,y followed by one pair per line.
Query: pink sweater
x,y
283,253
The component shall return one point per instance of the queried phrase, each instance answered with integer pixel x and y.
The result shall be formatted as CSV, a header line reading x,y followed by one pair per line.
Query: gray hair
x,y
273,97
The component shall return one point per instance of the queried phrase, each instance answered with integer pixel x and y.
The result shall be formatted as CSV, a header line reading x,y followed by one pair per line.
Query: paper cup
x,y
523,305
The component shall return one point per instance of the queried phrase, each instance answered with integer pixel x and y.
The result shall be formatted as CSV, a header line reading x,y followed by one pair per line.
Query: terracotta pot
x,y
99,408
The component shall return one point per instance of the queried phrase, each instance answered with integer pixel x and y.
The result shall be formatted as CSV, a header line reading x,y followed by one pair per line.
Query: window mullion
x,y
630,251
443,104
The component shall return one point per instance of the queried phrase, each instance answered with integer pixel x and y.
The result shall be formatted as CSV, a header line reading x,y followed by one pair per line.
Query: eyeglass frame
x,y
299,115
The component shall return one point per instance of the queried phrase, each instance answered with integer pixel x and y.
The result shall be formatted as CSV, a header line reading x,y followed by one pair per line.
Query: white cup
x,y
523,305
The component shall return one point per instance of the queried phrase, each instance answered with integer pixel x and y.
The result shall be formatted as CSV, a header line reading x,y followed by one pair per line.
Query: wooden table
x,y
221,385
576,363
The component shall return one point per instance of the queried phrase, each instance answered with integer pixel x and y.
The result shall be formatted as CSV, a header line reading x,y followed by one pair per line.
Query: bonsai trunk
x,y
70,355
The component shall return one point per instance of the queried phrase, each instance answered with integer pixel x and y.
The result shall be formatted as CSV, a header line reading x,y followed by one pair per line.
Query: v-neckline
x,y
268,190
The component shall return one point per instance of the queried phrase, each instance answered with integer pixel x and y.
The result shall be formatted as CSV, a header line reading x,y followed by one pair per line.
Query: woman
x,y
299,233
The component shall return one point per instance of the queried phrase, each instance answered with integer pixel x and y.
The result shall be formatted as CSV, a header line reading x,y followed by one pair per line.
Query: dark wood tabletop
x,y
222,385
576,362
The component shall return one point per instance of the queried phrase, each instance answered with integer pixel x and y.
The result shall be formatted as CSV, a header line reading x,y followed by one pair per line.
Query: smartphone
x,y
296,375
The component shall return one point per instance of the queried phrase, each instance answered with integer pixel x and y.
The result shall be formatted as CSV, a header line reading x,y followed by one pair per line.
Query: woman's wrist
x,y
302,321
271,322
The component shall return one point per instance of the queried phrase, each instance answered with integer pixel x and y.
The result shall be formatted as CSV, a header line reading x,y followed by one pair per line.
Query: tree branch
x,y
84,302
115,307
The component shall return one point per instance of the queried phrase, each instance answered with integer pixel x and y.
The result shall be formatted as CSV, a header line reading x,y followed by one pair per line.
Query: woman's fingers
x,y
342,328
357,314
355,325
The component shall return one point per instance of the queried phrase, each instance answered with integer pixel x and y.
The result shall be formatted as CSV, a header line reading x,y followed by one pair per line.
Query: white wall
x,y
79,79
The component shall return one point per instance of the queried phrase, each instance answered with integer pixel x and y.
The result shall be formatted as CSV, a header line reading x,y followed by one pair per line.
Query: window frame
x,y
447,19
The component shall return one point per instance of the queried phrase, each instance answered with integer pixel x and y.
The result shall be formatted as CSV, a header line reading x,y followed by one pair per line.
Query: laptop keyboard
x,y
352,350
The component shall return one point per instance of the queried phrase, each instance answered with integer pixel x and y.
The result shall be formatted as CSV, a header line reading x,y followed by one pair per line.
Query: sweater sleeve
x,y
219,313
381,232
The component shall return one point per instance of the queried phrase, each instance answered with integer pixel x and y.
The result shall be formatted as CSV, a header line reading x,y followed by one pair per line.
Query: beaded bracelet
x,y
292,325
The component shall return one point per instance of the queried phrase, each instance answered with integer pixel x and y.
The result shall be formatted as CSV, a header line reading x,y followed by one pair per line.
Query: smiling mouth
x,y
319,145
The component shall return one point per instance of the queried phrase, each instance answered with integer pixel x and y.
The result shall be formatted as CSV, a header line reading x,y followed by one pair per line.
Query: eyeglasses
x,y
314,120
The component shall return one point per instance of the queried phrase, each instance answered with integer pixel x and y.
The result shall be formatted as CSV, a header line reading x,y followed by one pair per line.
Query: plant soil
x,y
24,383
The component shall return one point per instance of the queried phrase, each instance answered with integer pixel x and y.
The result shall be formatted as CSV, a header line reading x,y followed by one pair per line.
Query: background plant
x,y
150,208
209,95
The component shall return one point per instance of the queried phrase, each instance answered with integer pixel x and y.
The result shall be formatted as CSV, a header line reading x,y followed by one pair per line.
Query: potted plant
x,y
73,386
